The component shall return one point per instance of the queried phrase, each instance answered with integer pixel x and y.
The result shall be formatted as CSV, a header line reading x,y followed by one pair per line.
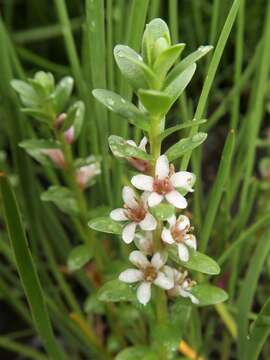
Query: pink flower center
x,y
177,234
136,214
162,186
150,273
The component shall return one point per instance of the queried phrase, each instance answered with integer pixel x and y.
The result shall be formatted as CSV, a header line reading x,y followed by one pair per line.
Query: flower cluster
x,y
141,225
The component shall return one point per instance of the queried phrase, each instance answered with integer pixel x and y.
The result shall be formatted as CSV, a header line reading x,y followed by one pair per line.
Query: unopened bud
x,y
85,173
69,135
60,120
56,156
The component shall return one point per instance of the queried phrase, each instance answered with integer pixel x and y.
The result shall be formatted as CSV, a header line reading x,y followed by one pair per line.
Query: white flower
x,y
86,173
135,212
177,233
182,284
164,184
144,242
148,273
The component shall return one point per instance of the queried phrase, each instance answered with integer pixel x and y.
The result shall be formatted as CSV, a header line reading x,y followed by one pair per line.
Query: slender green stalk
x,y
14,346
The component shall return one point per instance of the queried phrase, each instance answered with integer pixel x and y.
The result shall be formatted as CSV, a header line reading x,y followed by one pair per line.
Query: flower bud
x,y
56,156
86,173
60,120
69,135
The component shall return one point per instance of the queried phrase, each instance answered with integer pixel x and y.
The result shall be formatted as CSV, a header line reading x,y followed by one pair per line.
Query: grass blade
x,y
27,270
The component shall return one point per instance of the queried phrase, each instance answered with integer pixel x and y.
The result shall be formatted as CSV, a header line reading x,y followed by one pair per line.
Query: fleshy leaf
x,y
166,59
115,291
197,261
175,88
78,257
185,125
187,61
136,353
163,211
132,67
120,106
208,294
37,114
28,96
62,93
156,37
121,148
155,102
185,145
106,225
63,198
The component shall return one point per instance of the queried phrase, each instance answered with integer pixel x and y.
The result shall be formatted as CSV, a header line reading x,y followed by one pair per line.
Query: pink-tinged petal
x,y
129,197
131,142
183,252
149,223
163,281
56,156
172,220
85,173
183,179
159,259
187,294
183,222
176,199
144,292
191,241
131,275
69,135
162,167
143,182
143,143
166,236
154,199
138,259
129,232
118,215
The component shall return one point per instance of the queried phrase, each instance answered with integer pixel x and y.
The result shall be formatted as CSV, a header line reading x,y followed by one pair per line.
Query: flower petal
x,y
191,241
149,223
183,179
143,143
144,292
129,197
176,199
154,199
138,259
159,259
163,281
162,167
166,236
172,220
145,243
118,215
183,252
187,294
129,232
183,222
143,182
131,275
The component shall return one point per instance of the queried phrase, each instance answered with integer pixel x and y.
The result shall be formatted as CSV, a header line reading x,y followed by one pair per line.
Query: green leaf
x,y
75,117
175,88
120,106
136,353
63,198
120,148
38,114
163,211
105,224
197,261
115,291
27,270
154,101
28,96
62,93
187,61
93,305
166,60
260,330
34,148
78,257
187,124
46,81
132,67
156,37
208,294
185,145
